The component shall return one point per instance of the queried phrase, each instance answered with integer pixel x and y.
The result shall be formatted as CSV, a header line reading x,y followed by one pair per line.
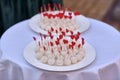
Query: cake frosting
x,y
60,50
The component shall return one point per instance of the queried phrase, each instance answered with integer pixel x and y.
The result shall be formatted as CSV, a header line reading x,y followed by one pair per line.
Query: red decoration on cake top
x,y
65,41
44,48
57,42
44,36
72,36
60,36
78,33
67,30
71,32
51,36
70,17
73,43
76,13
49,33
60,29
79,45
83,41
52,29
51,43
39,43
76,37
63,33
56,31
70,13
41,36
34,38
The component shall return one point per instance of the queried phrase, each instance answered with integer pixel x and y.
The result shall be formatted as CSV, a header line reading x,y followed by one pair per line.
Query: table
x,y
103,37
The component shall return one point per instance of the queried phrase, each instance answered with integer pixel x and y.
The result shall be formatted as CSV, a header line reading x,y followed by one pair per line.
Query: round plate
x,y
82,21
29,56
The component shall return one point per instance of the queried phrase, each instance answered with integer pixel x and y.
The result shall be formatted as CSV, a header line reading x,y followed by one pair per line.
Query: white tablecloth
x,y
104,38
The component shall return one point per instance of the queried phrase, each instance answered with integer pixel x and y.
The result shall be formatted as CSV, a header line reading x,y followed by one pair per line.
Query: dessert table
x,y
103,37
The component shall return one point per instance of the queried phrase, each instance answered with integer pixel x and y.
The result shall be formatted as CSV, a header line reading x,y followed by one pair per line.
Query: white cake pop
x,y
39,55
67,61
44,59
51,61
59,62
73,60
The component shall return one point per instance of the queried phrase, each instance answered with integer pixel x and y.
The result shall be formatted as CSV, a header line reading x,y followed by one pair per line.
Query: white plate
x,y
29,55
82,21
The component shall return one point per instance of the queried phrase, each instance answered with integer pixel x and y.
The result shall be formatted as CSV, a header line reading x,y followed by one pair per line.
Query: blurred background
x,y
14,11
